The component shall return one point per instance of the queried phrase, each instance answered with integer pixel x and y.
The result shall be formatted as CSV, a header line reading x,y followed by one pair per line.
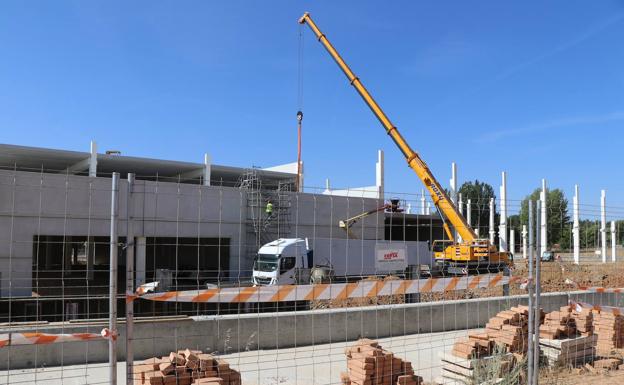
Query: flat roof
x,y
49,160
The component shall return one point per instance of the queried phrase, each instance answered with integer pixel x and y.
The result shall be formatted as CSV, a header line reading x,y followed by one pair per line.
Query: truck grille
x,y
263,281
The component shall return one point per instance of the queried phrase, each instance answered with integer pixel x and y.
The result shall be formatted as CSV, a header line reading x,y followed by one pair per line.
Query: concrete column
x,y
544,221
603,225
379,173
207,169
469,212
492,231
502,232
576,235
140,264
512,241
422,202
428,209
460,207
453,188
453,183
93,160
524,241
409,208
613,241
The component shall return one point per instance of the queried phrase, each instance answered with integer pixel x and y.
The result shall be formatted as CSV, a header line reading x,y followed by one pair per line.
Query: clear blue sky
x,y
533,88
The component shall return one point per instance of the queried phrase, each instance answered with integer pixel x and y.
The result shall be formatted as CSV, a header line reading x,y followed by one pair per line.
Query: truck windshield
x,y
266,262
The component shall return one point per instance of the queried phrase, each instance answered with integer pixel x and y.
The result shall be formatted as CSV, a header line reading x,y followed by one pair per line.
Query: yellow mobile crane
x,y
471,255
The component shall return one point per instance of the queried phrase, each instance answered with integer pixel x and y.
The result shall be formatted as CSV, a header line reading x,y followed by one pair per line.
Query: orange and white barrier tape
x,y
13,339
594,289
603,309
360,289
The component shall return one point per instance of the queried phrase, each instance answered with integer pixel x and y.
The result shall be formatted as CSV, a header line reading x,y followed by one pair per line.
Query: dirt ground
x,y
570,377
553,278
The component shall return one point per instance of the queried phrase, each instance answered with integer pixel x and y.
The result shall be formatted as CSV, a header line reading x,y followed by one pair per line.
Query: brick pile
x,y
583,320
610,330
509,328
369,364
558,324
475,346
185,367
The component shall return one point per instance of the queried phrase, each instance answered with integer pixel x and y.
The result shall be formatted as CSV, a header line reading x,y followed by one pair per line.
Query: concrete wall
x,y
56,204
232,333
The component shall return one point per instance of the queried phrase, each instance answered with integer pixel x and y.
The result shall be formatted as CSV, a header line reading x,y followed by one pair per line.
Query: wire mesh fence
x,y
247,281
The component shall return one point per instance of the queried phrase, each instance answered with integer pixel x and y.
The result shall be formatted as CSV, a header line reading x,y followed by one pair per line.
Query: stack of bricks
x,y
610,330
509,328
370,364
558,324
475,346
186,367
583,320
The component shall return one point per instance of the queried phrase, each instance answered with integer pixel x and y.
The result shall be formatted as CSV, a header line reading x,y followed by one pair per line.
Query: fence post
x,y
536,318
112,301
130,286
530,287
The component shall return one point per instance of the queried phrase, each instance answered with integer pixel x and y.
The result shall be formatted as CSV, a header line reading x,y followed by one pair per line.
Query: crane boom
x,y
438,195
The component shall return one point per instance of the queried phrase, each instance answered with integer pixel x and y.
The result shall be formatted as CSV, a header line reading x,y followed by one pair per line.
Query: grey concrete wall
x,y
56,204
232,333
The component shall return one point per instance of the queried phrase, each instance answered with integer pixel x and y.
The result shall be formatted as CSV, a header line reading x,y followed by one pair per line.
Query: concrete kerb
x,y
247,332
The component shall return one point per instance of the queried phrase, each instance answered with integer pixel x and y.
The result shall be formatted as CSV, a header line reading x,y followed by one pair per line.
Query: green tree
x,y
558,226
479,194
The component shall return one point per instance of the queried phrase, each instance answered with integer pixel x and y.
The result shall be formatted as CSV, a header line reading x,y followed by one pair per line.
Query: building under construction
x,y
192,224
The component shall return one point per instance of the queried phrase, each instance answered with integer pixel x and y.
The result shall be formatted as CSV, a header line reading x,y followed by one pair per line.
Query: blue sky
x,y
532,88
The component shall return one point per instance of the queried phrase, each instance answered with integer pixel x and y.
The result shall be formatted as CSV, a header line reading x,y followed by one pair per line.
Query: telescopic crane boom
x,y
472,253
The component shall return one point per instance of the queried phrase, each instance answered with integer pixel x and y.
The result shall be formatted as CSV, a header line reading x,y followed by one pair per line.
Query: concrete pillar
x,y
603,225
612,241
207,169
524,241
469,212
453,188
422,202
453,183
93,160
409,208
512,241
428,210
140,263
544,220
502,232
460,208
379,173
492,231
576,235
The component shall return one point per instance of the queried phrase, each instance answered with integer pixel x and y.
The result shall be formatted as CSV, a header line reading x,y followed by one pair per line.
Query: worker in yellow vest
x,y
269,209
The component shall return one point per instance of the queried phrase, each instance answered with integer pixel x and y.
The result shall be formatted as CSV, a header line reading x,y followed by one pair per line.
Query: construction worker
x,y
269,209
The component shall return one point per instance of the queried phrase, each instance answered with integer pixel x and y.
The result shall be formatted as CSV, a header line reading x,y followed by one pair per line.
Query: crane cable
x,y
298,181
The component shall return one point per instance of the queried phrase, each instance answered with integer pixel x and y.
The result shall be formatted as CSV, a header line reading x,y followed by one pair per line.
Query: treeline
x,y
559,223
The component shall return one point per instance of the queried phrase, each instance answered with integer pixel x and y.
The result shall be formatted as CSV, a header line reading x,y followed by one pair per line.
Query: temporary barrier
x,y
361,289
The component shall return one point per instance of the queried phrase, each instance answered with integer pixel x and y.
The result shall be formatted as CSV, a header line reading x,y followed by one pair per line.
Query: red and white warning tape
x,y
360,289
594,289
13,339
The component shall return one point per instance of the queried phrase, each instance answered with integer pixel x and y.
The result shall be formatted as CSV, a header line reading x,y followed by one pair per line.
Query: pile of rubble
x,y
185,367
369,364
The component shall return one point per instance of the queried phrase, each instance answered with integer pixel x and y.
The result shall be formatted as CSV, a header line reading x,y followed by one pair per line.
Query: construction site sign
x,y
390,257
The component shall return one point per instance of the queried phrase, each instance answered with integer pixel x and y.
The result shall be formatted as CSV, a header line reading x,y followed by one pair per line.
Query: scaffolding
x,y
263,227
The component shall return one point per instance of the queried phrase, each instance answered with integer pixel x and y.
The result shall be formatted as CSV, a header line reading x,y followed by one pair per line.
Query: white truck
x,y
291,260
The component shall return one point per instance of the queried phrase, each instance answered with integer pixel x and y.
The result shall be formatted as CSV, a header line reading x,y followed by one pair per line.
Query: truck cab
x,y
283,261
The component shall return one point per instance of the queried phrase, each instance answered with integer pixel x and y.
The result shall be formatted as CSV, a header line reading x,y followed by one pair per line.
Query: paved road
x,y
319,364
